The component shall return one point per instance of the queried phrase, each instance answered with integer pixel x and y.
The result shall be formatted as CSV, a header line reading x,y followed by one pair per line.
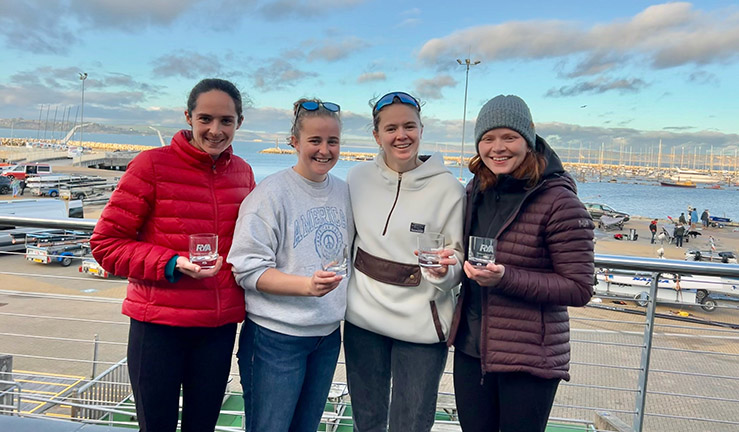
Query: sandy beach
x,y
726,238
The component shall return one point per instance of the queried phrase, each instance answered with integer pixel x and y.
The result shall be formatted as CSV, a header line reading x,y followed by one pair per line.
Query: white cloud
x,y
282,9
278,74
703,77
409,22
36,26
666,35
186,64
108,97
130,14
333,50
44,26
622,85
371,76
431,88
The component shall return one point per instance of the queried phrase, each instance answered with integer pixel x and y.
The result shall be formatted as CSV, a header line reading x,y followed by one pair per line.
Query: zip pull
x,y
397,194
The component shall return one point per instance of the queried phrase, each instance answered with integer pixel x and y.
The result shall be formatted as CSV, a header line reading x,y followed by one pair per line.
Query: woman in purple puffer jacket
x,y
511,327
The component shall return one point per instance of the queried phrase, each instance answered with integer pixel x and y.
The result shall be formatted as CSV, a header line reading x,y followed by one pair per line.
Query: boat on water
x,y
682,184
694,176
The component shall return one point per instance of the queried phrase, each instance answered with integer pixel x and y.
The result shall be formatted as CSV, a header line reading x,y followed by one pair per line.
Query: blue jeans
x,y
372,362
285,379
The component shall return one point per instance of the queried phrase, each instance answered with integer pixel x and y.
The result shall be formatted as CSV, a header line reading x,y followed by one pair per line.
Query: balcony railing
x,y
667,365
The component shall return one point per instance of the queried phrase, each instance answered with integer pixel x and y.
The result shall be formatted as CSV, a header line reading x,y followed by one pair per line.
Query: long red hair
x,y
532,168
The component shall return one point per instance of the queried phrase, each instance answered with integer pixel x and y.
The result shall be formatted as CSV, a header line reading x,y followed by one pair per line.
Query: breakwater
x,y
359,156
58,145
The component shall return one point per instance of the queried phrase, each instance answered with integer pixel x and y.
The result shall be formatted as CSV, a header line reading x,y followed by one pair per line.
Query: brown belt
x,y
386,271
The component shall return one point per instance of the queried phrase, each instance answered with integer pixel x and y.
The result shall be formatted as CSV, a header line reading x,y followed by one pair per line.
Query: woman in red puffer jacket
x,y
183,317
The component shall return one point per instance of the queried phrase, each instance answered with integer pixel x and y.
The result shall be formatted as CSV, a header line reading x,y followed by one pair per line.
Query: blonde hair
x,y
299,114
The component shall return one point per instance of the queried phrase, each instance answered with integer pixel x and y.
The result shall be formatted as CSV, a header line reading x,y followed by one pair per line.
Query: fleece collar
x,y
194,156
415,178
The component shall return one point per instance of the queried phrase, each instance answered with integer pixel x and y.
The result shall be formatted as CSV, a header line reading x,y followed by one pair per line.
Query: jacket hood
x,y
417,177
554,173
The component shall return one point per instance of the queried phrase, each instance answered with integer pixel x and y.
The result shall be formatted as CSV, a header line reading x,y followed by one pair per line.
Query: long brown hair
x,y
532,168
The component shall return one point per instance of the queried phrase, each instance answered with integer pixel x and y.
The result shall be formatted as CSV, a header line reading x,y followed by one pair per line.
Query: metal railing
x,y
10,400
110,389
644,366
656,268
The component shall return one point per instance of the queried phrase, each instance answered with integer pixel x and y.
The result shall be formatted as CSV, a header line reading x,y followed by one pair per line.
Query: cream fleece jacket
x,y
389,210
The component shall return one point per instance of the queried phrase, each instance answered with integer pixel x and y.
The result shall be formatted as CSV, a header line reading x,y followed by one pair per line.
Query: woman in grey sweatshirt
x,y
294,222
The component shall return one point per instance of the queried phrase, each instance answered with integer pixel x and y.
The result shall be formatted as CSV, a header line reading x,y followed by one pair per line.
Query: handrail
x,y
653,265
70,223
598,332
13,396
110,388
601,260
104,373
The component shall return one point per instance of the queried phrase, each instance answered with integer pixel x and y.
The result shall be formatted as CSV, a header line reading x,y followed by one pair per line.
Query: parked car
x,y
91,267
5,187
21,171
597,210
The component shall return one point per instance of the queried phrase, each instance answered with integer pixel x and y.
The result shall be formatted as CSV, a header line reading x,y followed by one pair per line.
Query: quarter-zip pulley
x,y
397,194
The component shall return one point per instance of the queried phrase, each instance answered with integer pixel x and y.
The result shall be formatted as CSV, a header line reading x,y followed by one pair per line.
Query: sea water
x,y
646,200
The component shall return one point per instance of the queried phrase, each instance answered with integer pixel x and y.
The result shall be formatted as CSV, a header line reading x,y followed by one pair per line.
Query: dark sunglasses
x,y
389,99
313,105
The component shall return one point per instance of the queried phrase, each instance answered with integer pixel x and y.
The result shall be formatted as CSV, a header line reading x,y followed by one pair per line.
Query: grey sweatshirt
x,y
287,223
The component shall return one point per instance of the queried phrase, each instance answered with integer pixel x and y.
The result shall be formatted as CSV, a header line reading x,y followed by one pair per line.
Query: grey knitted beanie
x,y
509,112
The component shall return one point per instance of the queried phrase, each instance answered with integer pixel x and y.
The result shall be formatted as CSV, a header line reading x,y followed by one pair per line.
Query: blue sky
x,y
625,73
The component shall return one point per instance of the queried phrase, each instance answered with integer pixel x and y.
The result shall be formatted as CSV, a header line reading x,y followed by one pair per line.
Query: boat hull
x,y
680,184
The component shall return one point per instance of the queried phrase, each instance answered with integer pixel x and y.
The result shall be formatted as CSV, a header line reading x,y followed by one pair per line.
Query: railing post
x,y
641,395
95,355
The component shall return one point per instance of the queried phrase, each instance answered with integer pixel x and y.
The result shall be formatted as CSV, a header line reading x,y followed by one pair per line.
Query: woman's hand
x,y
195,271
487,276
446,258
322,283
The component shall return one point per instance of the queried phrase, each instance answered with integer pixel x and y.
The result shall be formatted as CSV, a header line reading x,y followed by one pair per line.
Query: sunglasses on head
x,y
313,106
389,99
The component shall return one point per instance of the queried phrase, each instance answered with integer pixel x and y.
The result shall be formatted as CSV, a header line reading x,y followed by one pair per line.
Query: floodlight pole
x,y
467,63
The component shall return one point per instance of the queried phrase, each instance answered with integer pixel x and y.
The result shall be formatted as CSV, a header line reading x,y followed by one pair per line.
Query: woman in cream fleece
x,y
398,317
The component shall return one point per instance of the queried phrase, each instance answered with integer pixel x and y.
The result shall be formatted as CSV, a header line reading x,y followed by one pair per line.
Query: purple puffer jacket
x,y
546,247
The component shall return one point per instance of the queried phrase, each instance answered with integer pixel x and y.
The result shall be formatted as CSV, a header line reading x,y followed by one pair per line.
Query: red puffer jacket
x,y
546,246
165,195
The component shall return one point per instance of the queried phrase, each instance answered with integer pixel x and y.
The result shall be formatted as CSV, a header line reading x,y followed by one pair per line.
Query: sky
x,y
618,73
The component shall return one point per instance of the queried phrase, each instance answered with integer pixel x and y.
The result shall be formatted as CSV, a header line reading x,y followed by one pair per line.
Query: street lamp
x,y
467,63
83,77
